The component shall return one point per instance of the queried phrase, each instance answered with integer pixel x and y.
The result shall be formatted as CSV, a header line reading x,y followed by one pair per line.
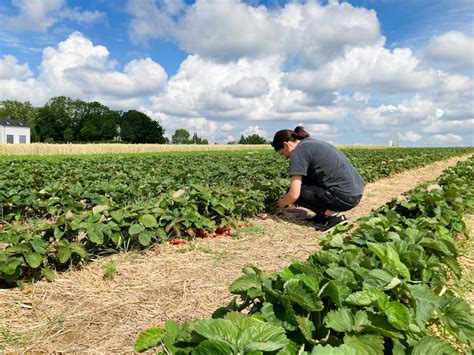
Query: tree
x,y
198,140
136,127
252,139
20,111
180,136
68,134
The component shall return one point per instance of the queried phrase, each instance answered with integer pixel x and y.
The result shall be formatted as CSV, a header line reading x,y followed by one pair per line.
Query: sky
x,y
351,72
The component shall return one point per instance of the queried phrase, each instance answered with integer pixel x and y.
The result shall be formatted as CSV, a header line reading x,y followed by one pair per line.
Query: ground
x,y
104,306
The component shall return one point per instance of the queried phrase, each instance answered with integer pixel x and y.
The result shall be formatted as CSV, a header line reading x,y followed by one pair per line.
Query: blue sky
x,y
352,72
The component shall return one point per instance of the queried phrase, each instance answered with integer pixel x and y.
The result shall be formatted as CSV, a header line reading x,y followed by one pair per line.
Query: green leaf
x,y
64,254
330,350
48,274
426,302
433,345
95,236
34,259
340,320
398,315
365,344
221,330
378,278
38,245
458,318
366,297
245,283
207,347
135,229
99,208
307,328
117,215
296,291
78,249
262,337
148,221
149,339
12,265
336,291
145,237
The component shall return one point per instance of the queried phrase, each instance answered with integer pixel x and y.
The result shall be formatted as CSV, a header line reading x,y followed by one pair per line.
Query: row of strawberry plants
x,y
82,215
374,289
44,188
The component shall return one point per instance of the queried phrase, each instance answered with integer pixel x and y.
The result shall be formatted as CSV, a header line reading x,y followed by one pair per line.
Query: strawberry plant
x,y
83,207
377,288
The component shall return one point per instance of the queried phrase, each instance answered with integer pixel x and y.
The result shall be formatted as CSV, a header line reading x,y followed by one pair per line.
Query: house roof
x,y
12,123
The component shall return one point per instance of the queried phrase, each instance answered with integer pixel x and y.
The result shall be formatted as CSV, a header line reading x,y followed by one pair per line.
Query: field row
x,y
59,212
378,289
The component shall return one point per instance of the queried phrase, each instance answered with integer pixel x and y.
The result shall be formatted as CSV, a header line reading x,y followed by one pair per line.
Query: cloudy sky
x,y
351,72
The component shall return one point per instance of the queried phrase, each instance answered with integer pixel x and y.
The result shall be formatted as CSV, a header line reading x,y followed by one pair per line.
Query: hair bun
x,y
300,133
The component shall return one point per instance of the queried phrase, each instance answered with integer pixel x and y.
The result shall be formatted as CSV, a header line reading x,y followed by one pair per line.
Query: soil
x,y
107,304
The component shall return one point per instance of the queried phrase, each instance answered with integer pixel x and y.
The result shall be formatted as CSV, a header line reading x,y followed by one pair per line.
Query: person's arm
x,y
293,194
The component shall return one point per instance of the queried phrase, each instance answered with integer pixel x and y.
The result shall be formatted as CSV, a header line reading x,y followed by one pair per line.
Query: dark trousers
x,y
318,200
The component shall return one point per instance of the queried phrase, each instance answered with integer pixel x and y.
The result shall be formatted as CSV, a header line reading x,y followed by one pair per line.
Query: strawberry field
x,y
59,212
378,287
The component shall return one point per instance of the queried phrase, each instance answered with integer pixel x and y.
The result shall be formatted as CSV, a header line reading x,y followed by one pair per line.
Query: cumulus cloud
x,y
248,87
250,130
310,31
10,69
40,15
447,138
78,68
454,49
410,136
366,67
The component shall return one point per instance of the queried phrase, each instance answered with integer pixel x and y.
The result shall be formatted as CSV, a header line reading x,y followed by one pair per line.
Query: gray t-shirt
x,y
322,164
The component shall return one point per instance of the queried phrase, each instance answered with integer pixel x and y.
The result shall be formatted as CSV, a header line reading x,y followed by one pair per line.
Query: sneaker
x,y
332,222
317,219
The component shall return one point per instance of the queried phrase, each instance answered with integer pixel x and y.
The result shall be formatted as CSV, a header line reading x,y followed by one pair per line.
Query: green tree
x,y
54,117
20,111
68,134
180,136
136,127
252,139
198,140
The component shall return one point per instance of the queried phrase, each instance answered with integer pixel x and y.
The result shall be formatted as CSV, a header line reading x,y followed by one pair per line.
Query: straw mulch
x,y
83,311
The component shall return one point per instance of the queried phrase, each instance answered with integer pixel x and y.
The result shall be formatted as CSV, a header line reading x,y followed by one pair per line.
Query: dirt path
x,y
81,311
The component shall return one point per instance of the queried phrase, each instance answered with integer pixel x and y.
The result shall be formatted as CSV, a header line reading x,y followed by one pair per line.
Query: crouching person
x,y
322,179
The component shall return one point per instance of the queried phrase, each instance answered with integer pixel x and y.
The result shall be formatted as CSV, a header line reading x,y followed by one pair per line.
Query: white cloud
x,y
10,69
248,87
78,68
369,67
453,48
410,136
447,138
40,15
250,130
230,30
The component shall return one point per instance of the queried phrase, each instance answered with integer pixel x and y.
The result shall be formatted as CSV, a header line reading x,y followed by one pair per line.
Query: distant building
x,y
14,132
394,143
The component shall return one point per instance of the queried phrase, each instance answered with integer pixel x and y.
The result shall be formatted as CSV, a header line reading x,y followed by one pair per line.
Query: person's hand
x,y
281,202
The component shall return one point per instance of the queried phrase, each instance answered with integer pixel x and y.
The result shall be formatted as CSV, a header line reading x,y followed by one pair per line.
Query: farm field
x,y
59,213
83,311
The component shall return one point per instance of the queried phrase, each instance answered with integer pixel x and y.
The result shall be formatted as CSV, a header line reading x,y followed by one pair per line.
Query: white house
x,y
13,131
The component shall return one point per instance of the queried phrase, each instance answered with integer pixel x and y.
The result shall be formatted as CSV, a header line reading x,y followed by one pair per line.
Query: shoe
x,y
332,222
317,219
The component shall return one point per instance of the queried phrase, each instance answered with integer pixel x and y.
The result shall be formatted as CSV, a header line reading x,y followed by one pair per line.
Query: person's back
x,y
328,167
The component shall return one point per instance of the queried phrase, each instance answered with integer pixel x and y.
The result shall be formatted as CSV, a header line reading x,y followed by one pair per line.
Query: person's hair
x,y
286,135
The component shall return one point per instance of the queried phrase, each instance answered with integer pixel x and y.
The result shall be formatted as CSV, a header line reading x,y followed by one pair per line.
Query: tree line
x,y
64,120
